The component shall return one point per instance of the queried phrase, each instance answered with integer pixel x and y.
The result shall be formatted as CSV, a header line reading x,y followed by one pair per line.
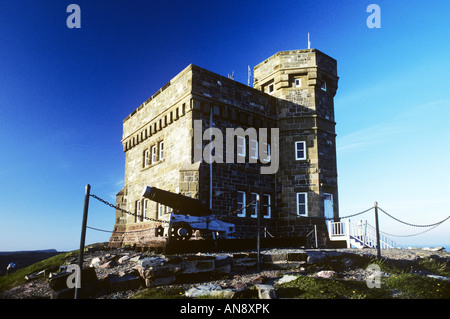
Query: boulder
x,y
60,290
158,271
316,257
244,261
59,281
122,283
196,264
96,262
151,261
265,291
328,274
136,258
286,278
159,281
205,290
124,259
222,264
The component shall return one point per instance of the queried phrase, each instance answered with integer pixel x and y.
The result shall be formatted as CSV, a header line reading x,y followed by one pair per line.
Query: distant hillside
x,y
24,258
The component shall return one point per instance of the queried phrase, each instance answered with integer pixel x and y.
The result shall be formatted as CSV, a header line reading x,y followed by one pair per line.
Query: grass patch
x,y
18,277
320,288
159,293
399,285
434,266
411,286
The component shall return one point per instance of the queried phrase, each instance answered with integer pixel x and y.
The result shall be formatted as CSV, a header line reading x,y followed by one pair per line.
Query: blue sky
x,y
65,92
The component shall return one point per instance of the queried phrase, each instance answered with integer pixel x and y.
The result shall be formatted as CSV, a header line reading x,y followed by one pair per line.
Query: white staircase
x,y
358,235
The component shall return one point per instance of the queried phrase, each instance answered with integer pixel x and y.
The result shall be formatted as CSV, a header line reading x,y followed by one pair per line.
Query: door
x,y
328,206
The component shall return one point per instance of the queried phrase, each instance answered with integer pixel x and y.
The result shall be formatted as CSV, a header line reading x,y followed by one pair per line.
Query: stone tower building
x,y
293,94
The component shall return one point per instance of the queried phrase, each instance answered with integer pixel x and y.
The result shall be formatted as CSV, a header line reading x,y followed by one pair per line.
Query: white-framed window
x,y
270,88
144,209
241,146
160,210
302,204
154,157
323,85
168,209
137,211
146,158
161,150
254,207
253,149
297,83
241,203
300,150
266,206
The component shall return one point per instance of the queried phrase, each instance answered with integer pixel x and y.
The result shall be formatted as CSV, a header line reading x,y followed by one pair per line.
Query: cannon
x,y
189,215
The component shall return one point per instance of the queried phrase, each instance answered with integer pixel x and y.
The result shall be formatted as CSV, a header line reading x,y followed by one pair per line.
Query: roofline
x,y
292,52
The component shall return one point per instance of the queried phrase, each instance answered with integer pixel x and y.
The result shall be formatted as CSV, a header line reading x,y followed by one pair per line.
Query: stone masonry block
x,y
196,264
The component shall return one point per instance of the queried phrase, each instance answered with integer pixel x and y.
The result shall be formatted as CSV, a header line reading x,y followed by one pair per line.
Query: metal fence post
x,y
83,236
378,231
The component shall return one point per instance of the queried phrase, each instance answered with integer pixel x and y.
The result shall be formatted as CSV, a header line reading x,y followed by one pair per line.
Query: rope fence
x,y
234,213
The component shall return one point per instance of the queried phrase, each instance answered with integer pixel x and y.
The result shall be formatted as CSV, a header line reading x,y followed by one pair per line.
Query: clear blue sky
x,y
65,92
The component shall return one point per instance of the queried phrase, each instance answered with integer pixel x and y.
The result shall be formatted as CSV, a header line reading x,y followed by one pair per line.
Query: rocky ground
x,y
39,288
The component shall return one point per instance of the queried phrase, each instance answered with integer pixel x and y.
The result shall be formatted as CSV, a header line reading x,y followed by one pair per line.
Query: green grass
x,y
18,277
412,286
159,293
320,288
400,284
434,266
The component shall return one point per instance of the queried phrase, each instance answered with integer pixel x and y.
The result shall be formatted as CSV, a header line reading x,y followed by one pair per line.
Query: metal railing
x,y
358,234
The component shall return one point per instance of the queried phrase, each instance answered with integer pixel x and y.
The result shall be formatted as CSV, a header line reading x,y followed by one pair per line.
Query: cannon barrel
x,y
180,203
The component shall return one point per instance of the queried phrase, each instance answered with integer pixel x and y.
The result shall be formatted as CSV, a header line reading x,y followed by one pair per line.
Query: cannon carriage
x,y
189,216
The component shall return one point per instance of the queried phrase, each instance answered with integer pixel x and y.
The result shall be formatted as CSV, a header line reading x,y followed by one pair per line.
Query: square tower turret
x,y
304,83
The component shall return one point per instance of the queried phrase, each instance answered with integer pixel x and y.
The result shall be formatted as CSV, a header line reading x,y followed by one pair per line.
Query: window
x,y
297,83
323,85
169,209
160,210
241,204
300,150
270,88
146,158
161,150
253,149
254,207
137,211
154,154
302,204
144,215
266,206
241,146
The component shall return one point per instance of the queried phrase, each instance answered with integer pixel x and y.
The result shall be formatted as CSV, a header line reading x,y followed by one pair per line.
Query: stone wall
x,y
164,118
293,92
305,82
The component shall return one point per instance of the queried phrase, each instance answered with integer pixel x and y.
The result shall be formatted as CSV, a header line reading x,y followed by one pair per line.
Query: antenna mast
x,y
309,42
